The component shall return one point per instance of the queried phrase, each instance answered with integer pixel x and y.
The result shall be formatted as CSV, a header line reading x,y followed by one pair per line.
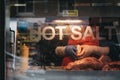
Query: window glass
x,y
62,36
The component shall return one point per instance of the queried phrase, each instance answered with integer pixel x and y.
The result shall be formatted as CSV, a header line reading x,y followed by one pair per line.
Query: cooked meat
x,y
105,59
112,66
88,63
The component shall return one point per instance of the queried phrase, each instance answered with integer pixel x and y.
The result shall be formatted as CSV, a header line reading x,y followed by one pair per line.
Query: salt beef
x,y
89,63
112,66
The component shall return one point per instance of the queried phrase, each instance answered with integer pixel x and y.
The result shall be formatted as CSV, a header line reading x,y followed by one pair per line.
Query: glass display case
x,y
62,40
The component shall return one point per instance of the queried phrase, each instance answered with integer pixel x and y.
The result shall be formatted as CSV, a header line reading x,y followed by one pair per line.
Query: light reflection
x,y
68,21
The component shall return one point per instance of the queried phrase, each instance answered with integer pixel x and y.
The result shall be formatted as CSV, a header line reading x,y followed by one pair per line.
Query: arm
x,y
114,51
102,50
111,50
87,50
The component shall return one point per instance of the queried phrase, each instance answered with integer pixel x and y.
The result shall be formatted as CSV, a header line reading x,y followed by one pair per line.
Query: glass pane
x,y
62,39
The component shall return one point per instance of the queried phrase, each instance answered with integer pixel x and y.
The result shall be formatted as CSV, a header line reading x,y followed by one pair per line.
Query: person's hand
x,y
86,50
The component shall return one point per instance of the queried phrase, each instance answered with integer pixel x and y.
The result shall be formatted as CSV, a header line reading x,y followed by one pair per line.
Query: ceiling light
x,y
67,21
19,4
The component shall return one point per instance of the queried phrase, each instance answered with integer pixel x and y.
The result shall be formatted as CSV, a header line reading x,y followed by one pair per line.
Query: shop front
x,y
62,40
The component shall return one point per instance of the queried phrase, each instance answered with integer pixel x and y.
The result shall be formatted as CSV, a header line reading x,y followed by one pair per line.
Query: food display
x,y
65,44
60,40
88,63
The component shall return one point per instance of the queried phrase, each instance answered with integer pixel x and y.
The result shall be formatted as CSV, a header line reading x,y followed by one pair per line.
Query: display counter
x,y
35,73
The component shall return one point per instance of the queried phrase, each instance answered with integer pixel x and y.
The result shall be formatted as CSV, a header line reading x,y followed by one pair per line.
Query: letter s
x,y
75,30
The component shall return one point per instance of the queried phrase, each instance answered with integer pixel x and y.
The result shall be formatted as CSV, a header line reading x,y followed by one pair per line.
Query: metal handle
x,y
13,42
12,36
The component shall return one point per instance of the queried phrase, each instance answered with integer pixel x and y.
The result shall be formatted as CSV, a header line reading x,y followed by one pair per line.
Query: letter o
x,y
52,34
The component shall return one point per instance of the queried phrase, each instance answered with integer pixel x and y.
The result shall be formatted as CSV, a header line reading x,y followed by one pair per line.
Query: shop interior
x,y
35,28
